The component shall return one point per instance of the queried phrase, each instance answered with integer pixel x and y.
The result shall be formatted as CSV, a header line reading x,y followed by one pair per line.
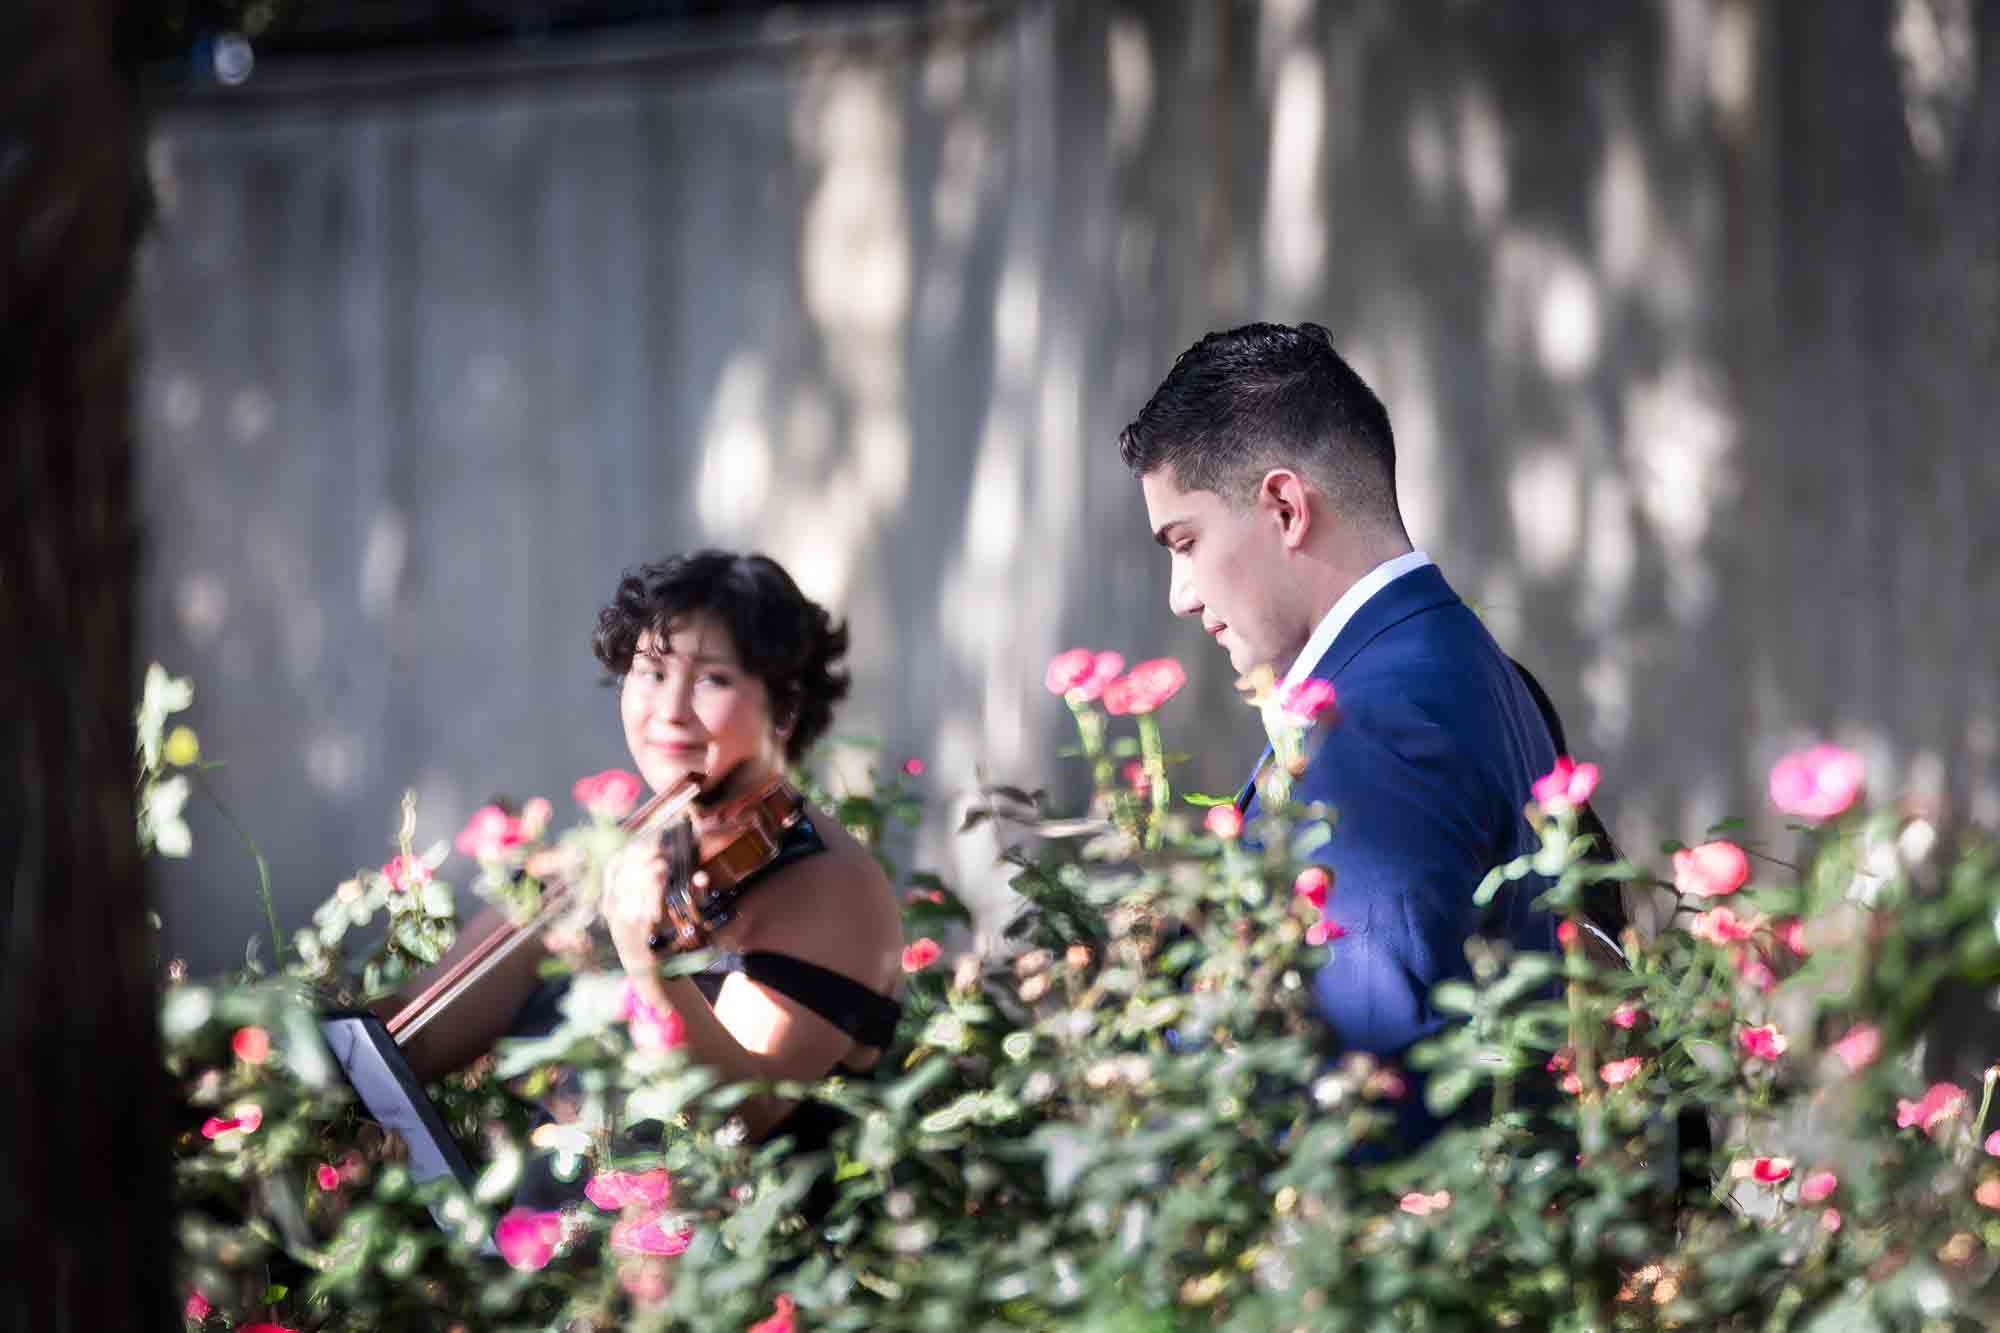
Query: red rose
x,y
920,955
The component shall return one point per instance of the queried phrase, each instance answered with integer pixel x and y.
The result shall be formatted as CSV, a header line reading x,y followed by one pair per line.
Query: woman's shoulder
x,y
837,901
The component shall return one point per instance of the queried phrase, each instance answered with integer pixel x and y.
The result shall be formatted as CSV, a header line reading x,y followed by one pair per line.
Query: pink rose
x,y
915,896
1224,821
921,954
1756,973
1993,1144
1566,786
1312,885
197,1307
1770,1170
645,1235
1816,783
913,766
1988,1193
607,795
1082,673
1627,1016
1829,1221
245,1121
779,1320
1764,1043
651,1029
1941,1102
1721,926
405,872
1817,1185
1791,932
528,1239
535,817
1308,698
1566,934
1619,1072
252,1045
1859,1047
1711,870
1067,670
1418,1204
1323,932
612,1190
1145,687
329,1178
1386,1083
489,835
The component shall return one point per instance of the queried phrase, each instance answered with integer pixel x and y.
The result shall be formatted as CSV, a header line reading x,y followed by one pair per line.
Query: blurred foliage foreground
x,y
1125,1116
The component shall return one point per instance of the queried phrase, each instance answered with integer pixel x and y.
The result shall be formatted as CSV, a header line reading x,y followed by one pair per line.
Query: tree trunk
x,y
84,1177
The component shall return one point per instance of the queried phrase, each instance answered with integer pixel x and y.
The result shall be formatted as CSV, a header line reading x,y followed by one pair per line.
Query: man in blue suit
x,y
1269,475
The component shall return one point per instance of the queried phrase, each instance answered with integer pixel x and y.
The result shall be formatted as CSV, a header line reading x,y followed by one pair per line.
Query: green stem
x,y
263,872
1156,775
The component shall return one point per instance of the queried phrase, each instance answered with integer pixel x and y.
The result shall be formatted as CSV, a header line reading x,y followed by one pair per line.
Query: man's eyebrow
x,y
1164,534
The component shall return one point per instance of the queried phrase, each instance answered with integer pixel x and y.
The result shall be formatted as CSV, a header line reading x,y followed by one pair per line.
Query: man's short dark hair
x,y
1239,403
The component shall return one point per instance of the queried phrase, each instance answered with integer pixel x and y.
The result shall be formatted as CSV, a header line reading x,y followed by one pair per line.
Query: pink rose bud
x,y
607,795
1816,783
1312,885
913,766
329,1178
920,955
1224,821
1323,932
489,835
1566,786
1763,1043
1817,1185
1770,1170
1859,1047
527,1240
1619,1072
252,1045
1711,870
1308,698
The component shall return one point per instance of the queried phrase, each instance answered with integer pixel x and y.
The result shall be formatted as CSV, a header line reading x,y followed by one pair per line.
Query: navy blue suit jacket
x,y
1427,766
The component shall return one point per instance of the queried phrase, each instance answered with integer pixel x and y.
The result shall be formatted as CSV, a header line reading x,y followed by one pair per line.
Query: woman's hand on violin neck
x,y
635,883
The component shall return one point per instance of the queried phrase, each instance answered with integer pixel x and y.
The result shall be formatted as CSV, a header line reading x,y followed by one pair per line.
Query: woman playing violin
x,y
726,671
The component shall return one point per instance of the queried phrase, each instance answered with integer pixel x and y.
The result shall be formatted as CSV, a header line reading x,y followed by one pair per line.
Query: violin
x,y
706,875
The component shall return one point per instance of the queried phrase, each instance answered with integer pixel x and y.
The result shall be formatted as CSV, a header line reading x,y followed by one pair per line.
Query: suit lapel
x,y
1417,591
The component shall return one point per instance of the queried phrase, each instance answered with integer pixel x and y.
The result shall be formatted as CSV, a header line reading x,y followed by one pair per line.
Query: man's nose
x,y
1181,597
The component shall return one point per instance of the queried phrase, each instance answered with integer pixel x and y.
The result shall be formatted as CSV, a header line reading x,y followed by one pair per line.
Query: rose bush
x,y
1126,1115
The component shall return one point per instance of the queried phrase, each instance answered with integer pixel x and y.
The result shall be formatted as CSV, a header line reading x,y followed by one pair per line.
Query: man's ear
x,y
1285,498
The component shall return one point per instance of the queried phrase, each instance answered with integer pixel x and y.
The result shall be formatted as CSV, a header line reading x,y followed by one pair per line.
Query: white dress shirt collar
x,y
1351,601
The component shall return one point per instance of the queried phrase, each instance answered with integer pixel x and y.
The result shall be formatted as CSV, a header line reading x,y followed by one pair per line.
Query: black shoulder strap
x,y
1605,908
861,1013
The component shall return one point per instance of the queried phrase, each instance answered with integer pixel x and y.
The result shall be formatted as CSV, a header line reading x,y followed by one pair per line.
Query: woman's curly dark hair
x,y
782,637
